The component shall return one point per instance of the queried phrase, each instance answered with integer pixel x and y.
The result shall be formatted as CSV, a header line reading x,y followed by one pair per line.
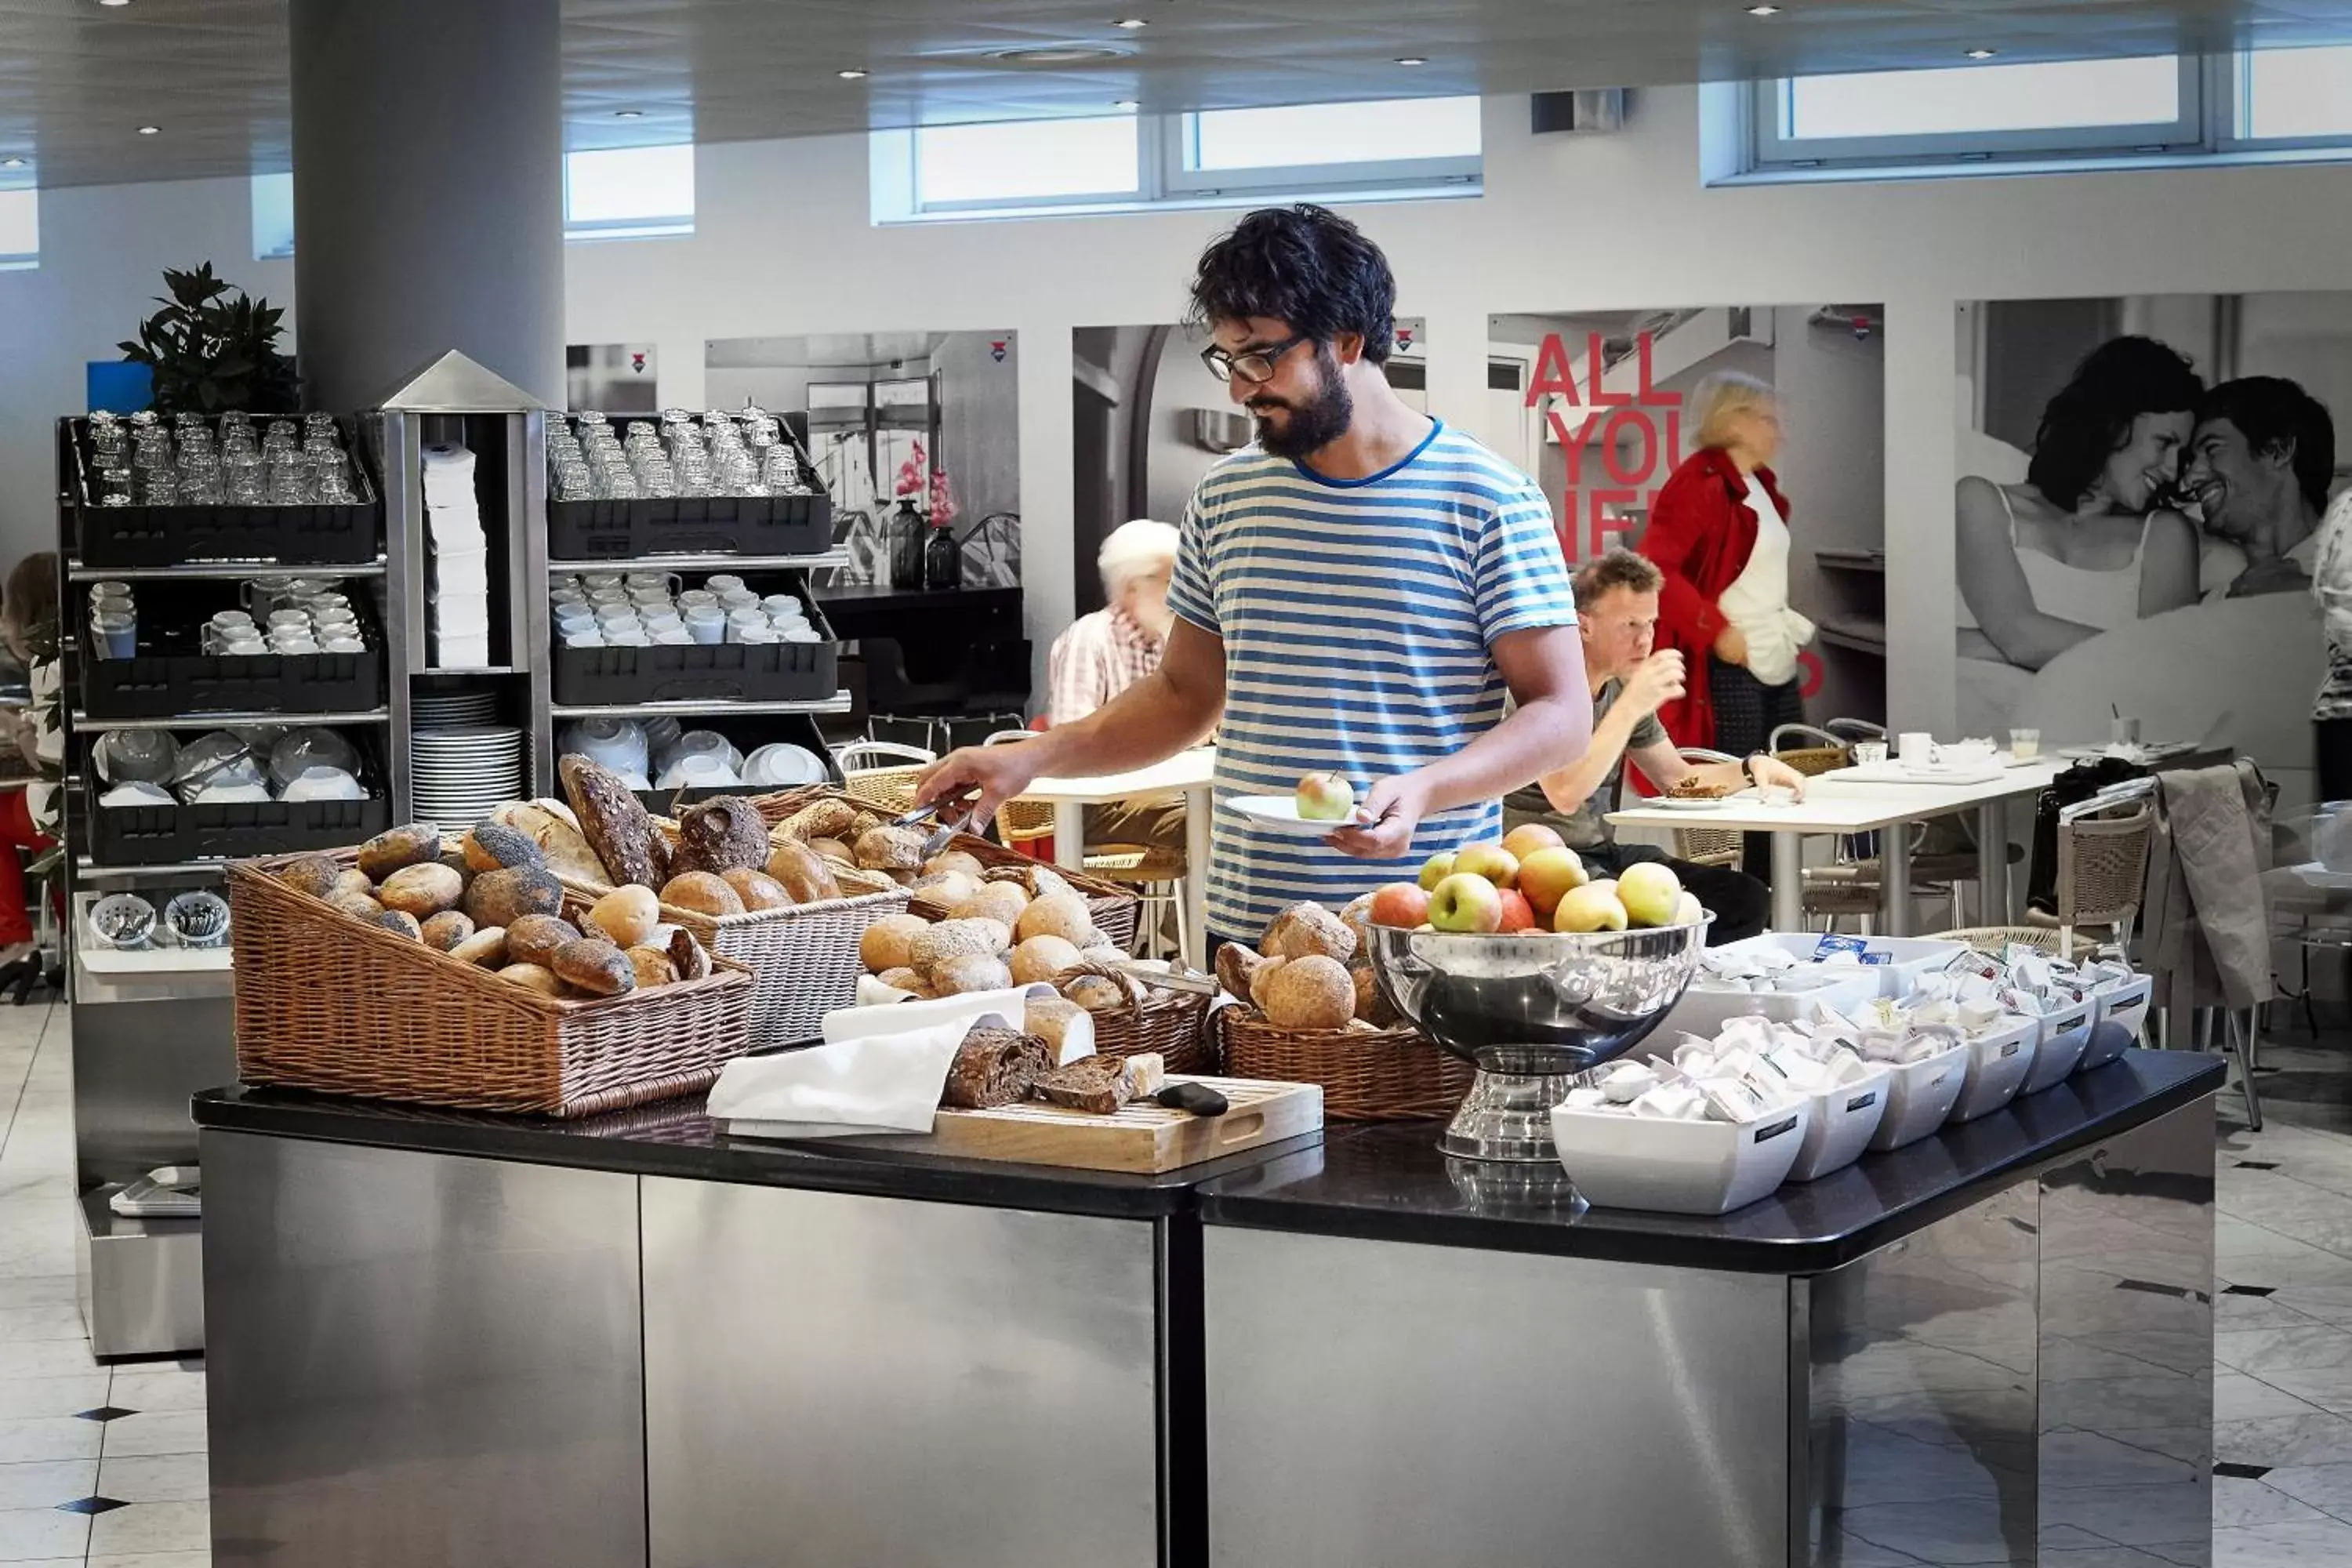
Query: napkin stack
x,y
459,595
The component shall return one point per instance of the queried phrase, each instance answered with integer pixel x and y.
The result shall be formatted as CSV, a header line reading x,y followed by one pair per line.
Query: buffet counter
x,y
451,1339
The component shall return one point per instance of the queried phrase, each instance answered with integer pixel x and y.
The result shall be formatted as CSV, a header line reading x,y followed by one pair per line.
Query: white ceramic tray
x,y
1997,1064
1678,1167
1919,1096
2126,1002
2065,1034
1704,1009
1844,1119
1911,956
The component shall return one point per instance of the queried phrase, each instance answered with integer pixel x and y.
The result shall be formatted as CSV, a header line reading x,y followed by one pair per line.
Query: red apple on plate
x,y
1549,875
1403,905
1528,837
1517,913
1435,869
1492,861
1325,797
1464,902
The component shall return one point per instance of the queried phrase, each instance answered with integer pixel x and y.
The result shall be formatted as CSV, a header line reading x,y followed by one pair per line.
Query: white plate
x,y
1279,813
1683,802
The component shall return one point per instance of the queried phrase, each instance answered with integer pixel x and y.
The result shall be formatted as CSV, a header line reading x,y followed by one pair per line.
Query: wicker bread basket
x,y
1171,1023
327,1002
1116,908
1382,1075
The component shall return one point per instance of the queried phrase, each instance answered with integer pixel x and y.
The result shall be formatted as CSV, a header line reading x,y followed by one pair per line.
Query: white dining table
x,y
1187,774
1833,805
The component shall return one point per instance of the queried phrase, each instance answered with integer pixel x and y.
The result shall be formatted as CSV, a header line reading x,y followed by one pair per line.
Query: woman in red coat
x,y
1720,534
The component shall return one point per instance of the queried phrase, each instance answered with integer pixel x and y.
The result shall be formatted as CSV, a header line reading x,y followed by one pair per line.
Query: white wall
x,y
783,243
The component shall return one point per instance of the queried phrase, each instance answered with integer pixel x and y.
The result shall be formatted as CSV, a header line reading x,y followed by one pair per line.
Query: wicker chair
x,y
1993,939
2103,871
1022,824
1708,846
888,787
1826,755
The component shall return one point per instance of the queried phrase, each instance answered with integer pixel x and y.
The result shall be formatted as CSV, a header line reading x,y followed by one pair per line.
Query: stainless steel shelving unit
x,y
709,562
214,570
715,708
83,724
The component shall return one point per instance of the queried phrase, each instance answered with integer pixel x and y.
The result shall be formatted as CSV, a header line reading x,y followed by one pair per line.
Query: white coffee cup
x,y
722,584
706,623
589,637
1915,746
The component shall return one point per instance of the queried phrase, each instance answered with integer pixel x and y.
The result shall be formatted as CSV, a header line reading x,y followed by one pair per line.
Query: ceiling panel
x,y
77,79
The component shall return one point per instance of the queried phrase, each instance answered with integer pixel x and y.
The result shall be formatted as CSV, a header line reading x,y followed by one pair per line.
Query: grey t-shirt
x,y
1588,825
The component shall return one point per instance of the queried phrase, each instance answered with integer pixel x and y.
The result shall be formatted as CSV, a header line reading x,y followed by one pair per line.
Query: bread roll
x,y
388,852
550,825
1310,993
317,875
537,939
962,860
361,906
831,849
969,973
1371,1006
802,872
653,967
422,890
534,976
401,923
1003,901
1063,915
687,957
492,845
834,819
1237,968
616,824
627,915
596,966
484,949
886,942
722,835
703,892
854,883
503,897
757,890
890,849
934,945
446,929
1096,993
1308,929
903,979
1041,958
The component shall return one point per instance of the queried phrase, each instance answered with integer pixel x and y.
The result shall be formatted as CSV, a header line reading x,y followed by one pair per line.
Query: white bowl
x,y
697,770
1678,1167
2065,1034
1844,1117
1919,1095
1996,1066
324,783
1705,1009
782,764
2124,1001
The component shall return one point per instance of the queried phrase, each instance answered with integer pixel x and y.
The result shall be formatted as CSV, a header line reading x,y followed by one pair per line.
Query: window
x,y
628,192
273,217
2265,105
1413,147
20,229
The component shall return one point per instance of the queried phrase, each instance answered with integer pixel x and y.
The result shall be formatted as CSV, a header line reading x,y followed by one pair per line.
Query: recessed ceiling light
x,y
151,130
114,2
1982,54
1059,55
1130,23
851,75
1125,103
629,114
1410,60
1763,10
12,163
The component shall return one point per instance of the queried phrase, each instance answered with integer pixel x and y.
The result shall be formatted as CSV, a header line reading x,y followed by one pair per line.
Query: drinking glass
x,y
2025,744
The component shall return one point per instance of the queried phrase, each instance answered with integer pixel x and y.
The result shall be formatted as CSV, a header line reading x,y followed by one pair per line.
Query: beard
x,y
1311,425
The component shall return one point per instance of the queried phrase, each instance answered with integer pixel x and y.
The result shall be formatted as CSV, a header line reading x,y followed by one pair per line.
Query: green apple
x,y
1435,869
1649,892
1492,861
1464,902
1325,797
1689,911
1593,907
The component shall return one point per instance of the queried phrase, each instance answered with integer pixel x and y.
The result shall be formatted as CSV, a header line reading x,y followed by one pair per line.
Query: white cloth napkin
x,y
890,1009
875,1083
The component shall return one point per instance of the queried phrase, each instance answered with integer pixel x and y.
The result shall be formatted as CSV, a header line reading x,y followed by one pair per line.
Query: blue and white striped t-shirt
x,y
1357,617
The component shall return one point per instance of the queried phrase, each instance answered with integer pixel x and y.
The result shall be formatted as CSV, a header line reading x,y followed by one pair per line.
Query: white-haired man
x,y
1104,652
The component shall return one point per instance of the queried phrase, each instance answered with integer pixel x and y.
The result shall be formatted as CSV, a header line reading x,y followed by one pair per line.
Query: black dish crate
x,y
796,728
701,672
310,536
174,678
171,835
691,525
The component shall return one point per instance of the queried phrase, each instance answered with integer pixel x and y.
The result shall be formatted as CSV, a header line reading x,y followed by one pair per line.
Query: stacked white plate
x,y
458,775
452,709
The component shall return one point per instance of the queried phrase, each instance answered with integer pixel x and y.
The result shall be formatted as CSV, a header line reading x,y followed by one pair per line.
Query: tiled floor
x,y
106,1468
98,1466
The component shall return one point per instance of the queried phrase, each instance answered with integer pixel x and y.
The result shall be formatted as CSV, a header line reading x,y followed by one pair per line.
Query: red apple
x,y
1403,905
1435,869
1464,902
1517,913
1528,837
1325,797
1492,861
1549,876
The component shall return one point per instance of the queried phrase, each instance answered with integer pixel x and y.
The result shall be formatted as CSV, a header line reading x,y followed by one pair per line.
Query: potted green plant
x,y
209,352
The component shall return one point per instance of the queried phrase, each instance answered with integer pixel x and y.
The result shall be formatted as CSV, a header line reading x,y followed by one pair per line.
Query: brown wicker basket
x,y
1388,1075
327,1002
1169,1022
1116,908
803,960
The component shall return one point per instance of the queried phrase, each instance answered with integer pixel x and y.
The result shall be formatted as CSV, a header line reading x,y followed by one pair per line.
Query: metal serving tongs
x,y
945,834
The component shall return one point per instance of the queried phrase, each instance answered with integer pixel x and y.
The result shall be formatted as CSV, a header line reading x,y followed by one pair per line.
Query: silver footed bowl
x,y
1536,1002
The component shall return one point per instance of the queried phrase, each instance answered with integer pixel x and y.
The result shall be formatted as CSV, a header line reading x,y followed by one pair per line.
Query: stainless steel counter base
x,y
142,1281
1988,1384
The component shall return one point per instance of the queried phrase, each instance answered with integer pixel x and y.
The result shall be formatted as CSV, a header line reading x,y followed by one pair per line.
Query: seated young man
x,y
1617,614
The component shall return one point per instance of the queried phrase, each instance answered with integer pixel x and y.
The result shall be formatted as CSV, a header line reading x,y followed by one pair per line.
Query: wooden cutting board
x,y
1143,1139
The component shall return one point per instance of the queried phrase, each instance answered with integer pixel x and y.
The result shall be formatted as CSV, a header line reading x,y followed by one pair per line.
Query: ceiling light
x,y
12,163
114,2
151,130
1982,54
1059,55
851,75
1763,10
1125,103
1130,23
1410,60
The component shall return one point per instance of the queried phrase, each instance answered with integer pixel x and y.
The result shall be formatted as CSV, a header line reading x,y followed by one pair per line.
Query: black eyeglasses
x,y
1256,366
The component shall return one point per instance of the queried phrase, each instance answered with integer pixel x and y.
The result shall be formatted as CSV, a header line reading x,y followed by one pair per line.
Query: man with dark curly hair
x,y
1357,592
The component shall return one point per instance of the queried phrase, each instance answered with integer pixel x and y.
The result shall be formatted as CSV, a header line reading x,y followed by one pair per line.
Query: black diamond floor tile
x,y
105,1413
2248,1290
91,1505
2257,1164
2231,1469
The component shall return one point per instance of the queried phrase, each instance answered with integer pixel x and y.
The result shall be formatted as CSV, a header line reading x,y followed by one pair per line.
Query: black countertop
x,y
676,1139
1391,1184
